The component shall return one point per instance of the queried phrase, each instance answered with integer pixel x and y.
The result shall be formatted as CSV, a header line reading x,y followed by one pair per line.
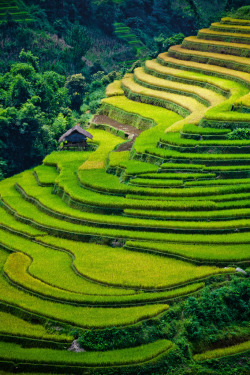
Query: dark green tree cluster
x,y
34,111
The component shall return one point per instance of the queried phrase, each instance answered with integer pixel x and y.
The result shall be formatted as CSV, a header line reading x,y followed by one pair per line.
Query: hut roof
x,y
77,129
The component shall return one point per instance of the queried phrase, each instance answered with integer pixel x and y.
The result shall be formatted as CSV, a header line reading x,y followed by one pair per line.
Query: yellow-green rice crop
x,y
46,174
132,269
114,89
188,104
210,253
139,354
223,352
107,142
206,94
13,325
17,269
202,69
79,316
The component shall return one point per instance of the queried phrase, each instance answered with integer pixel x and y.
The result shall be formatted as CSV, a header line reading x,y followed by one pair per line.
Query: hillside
x,y
137,249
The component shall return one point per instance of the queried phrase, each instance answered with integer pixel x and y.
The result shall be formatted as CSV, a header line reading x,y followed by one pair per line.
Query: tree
x,y
105,14
29,58
76,85
79,42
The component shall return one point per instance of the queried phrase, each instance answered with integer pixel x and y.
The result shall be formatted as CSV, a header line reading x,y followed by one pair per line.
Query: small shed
x,y
75,138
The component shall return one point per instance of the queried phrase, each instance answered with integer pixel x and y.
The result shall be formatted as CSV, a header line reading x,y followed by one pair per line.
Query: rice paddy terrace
x,y
15,9
102,243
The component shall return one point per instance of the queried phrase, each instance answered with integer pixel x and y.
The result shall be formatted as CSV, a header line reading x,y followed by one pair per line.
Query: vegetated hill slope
x,y
15,9
103,245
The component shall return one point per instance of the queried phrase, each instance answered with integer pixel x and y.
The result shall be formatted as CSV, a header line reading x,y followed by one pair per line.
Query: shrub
x,y
239,134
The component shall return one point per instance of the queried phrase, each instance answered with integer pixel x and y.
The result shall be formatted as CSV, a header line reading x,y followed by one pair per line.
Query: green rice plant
x,y
243,102
204,96
226,36
142,113
228,168
155,182
218,182
114,89
167,100
217,26
58,158
182,166
192,215
120,267
115,158
8,222
176,140
211,58
41,356
15,326
216,72
222,352
84,317
62,277
207,158
107,142
178,176
192,129
194,251
162,70
16,269
238,49
235,21
46,175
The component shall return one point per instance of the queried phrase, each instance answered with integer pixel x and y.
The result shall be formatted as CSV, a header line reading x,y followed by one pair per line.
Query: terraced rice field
x,y
94,240
16,9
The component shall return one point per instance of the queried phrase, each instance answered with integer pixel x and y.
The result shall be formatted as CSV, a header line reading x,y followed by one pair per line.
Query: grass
x,y
222,352
144,353
194,251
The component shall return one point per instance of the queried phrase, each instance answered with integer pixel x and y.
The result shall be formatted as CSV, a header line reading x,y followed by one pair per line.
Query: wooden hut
x,y
75,138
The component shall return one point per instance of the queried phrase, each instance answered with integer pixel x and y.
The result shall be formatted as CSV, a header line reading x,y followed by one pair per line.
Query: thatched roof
x,y
77,129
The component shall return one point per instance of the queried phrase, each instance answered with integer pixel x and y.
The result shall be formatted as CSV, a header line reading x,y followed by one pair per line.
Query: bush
x,y
239,134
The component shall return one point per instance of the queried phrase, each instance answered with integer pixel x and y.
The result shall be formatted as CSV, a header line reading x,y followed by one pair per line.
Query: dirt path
x,y
130,130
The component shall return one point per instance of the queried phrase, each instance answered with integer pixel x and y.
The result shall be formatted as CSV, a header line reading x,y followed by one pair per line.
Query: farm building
x,y
75,138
